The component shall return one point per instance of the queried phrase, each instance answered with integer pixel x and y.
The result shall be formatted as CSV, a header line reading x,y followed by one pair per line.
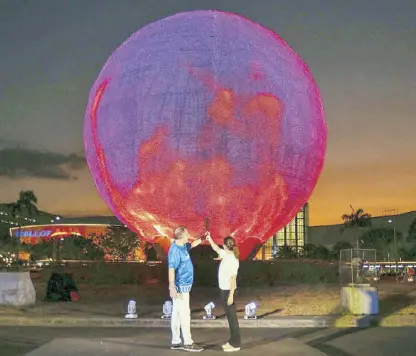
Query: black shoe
x,y
176,347
192,348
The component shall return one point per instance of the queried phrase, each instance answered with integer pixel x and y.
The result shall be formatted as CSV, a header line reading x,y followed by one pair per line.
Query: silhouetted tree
x,y
315,252
338,247
119,242
150,252
287,252
357,219
411,237
380,239
27,201
80,248
42,250
409,252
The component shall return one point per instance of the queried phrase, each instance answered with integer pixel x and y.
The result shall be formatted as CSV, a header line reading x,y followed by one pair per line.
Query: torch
x,y
207,226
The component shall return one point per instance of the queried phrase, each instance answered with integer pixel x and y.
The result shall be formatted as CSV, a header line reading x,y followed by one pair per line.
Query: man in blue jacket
x,y
181,277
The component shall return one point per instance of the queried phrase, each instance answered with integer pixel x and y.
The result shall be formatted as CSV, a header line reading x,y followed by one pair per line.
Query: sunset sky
x,y
362,54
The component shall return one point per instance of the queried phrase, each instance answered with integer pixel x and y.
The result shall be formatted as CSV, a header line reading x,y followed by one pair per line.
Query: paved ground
x,y
36,341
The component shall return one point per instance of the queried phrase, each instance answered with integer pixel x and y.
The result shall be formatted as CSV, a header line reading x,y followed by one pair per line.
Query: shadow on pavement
x,y
223,316
394,303
387,306
262,342
321,343
270,313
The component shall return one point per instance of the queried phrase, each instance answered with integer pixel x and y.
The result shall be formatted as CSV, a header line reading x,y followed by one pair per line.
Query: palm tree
x,y
357,219
27,201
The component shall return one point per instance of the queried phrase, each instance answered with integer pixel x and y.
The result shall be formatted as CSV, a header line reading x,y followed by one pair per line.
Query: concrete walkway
x,y
151,346
155,341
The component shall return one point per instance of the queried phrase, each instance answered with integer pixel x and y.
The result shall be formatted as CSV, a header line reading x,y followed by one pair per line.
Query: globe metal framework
x,y
205,114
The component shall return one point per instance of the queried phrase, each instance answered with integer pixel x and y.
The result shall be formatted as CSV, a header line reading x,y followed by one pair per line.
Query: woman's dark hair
x,y
231,245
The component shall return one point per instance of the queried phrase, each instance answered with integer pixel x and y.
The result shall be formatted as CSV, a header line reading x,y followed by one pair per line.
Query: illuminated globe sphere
x,y
201,115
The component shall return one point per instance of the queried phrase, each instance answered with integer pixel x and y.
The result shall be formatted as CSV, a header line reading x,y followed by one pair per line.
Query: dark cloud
x,y
23,163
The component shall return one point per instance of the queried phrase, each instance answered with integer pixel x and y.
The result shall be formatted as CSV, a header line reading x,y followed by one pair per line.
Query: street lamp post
x,y
394,241
18,245
57,218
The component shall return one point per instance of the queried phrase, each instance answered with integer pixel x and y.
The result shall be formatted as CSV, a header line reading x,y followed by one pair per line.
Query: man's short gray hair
x,y
179,232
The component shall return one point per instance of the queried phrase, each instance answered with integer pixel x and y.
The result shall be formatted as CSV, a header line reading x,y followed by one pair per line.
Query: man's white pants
x,y
181,320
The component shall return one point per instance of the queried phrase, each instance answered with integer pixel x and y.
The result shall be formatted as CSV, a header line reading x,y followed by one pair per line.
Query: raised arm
x,y
212,243
197,242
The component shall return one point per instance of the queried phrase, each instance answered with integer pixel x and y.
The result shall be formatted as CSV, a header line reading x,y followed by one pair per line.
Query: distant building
x,y
7,220
294,234
329,235
34,234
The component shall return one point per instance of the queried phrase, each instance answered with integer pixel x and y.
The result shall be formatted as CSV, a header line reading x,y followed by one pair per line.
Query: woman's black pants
x,y
231,313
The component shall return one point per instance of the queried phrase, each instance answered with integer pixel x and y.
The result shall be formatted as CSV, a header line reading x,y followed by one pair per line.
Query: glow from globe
x,y
205,114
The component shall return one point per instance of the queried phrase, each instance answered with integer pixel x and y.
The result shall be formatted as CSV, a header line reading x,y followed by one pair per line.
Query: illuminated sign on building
x,y
33,233
36,233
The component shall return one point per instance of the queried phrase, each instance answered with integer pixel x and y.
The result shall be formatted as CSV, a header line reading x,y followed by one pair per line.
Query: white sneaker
x,y
226,345
230,348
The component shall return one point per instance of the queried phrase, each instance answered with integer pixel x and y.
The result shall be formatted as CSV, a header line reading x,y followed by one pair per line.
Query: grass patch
x,y
15,349
280,287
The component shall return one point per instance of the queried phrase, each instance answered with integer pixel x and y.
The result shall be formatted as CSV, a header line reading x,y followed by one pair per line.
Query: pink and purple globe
x,y
205,114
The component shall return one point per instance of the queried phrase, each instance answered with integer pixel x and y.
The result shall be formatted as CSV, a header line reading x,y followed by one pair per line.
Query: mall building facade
x,y
31,231
295,234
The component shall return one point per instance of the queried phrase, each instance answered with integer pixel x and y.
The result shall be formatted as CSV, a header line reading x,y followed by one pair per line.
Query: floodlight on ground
x,y
251,311
167,310
209,311
131,310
